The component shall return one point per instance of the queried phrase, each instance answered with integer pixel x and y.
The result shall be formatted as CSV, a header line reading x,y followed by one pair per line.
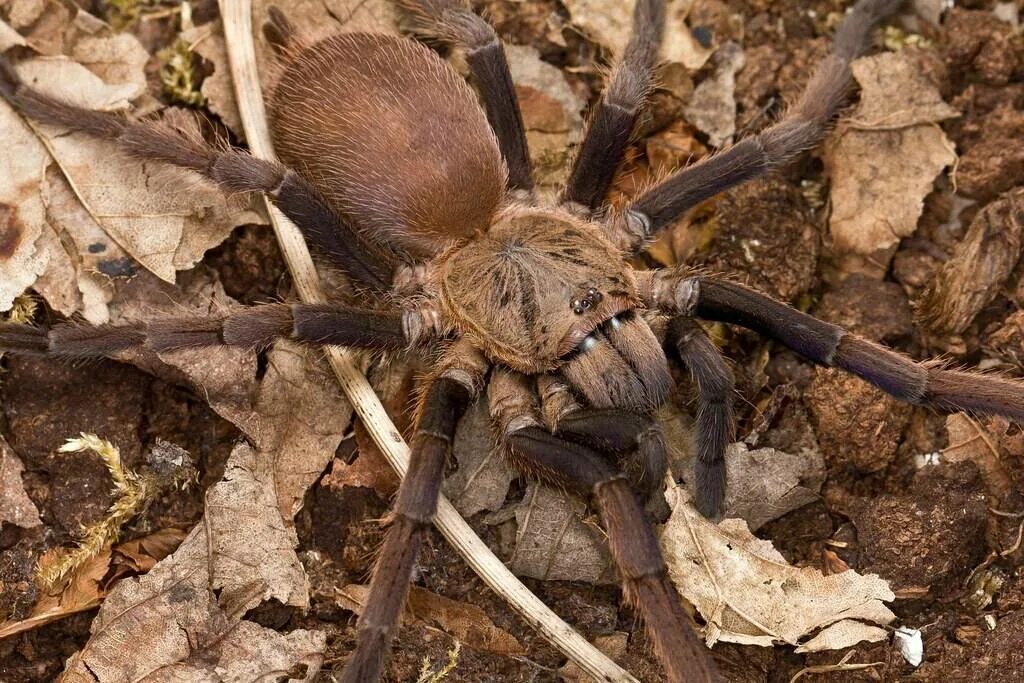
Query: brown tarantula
x,y
394,171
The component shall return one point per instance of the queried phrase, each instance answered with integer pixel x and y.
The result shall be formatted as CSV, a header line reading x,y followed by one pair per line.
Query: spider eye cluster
x,y
589,299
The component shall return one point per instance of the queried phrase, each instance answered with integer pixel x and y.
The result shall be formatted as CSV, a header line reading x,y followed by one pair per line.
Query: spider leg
x,y
233,170
637,440
612,122
924,384
715,385
802,127
630,536
252,327
453,22
444,401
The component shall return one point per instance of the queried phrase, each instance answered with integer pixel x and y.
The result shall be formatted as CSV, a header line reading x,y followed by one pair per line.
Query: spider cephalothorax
x,y
395,172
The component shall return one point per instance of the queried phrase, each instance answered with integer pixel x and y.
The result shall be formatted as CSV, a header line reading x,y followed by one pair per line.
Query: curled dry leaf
x,y
15,505
555,542
978,268
883,161
75,208
465,622
606,22
747,593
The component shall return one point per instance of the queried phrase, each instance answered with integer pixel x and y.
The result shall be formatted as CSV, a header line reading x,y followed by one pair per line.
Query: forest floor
x,y
905,226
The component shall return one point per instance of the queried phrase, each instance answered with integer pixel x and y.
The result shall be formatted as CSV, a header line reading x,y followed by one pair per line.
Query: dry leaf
x,y
178,625
712,107
91,582
978,268
746,591
843,634
465,622
15,505
552,114
368,470
764,484
607,23
74,209
884,161
298,422
555,542
483,478
983,444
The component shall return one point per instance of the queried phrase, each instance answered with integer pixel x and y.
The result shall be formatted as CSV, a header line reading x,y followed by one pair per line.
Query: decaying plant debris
x,y
913,204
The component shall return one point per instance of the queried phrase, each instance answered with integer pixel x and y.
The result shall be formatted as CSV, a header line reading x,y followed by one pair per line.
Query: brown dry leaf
x,y
765,484
843,634
984,444
552,114
555,542
244,548
884,161
978,268
483,478
747,593
712,107
82,593
74,208
15,505
607,23
465,622
91,582
179,627
368,470
141,554
298,422
224,376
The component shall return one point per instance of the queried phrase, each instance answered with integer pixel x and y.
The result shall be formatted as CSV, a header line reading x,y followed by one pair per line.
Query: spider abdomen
x,y
392,137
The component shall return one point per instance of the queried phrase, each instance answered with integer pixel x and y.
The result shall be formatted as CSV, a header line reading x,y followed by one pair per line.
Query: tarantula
x,y
394,172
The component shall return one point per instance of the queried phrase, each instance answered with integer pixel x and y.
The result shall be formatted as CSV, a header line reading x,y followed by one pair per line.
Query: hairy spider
x,y
394,171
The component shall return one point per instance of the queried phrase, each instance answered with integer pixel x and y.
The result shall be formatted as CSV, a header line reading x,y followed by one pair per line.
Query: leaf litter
x,y
747,592
884,158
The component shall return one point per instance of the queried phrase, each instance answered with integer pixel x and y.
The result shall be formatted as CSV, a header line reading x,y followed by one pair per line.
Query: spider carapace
x,y
420,190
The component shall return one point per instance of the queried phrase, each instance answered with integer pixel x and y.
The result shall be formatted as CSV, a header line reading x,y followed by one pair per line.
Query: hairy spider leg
x,y
445,400
615,116
715,426
634,547
923,384
452,22
802,126
252,327
233,170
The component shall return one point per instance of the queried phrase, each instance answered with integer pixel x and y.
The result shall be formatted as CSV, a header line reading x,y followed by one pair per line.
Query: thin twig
x,y
840,666
237,19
